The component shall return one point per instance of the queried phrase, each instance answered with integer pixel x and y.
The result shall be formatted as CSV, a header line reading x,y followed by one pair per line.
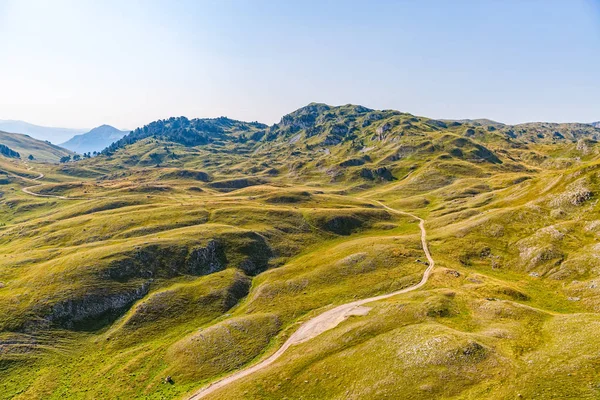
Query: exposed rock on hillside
x,y
576,194
207,260
382,173
91,311
249,249
187,174
233,184
8,152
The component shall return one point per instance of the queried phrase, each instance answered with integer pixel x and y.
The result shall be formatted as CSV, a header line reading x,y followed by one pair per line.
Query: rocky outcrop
x,y
384,128
233,184
294,197
248,251
152,261
482,154
437,124
187,174
128,278
206,260
183,301
342,224
303,118
339,130
331,141
256,253
576,194
257,136
381,173
93,310
354,162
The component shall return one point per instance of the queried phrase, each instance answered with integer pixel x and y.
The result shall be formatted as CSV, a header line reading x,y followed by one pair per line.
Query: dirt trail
x,y
29,192
327,320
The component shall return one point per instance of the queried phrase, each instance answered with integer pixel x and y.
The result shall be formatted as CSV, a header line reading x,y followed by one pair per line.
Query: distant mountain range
x,y
95,140
596,124
51,134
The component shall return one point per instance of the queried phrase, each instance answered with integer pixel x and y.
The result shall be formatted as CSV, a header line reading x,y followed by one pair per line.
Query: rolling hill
x,y
193,249
95,140
45,133
26,145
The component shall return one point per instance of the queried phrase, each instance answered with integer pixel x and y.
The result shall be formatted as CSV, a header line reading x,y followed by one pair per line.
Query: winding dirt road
x,y
52,196
29,192
327,320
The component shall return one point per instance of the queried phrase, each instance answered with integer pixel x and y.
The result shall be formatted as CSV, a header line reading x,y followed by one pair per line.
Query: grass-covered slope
x,y
26,145
176,256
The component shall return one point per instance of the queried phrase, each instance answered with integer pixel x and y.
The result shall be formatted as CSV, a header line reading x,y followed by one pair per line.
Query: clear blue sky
x,y
83,63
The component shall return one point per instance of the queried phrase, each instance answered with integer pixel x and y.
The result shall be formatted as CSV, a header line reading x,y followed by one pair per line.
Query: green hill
x,y
192,249
26,145
191,132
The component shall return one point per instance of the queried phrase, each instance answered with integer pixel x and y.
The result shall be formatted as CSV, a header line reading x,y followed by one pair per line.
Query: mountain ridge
x,y
334,124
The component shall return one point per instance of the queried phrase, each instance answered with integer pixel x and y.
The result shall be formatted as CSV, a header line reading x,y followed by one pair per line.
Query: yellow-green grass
x,y
510,309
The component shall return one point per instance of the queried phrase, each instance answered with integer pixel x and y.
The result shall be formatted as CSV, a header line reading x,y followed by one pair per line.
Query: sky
x,y
80,63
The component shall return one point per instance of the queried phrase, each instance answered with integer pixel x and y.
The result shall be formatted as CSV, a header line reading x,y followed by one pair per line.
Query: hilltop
x,y
191,132
26,145
95,140
194,248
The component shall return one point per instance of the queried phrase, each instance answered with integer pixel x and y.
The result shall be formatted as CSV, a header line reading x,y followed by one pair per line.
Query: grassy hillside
x,y
26,145
193,249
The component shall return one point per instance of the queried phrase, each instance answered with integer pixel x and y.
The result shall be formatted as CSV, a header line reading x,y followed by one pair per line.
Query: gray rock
x,y
207,260
87,310
384,128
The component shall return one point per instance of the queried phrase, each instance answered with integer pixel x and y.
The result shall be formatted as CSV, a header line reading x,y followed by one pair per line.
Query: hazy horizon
x,y
88,128
78,64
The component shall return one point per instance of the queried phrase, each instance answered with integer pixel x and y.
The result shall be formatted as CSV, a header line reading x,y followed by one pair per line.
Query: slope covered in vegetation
x,y
26,145
193,248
